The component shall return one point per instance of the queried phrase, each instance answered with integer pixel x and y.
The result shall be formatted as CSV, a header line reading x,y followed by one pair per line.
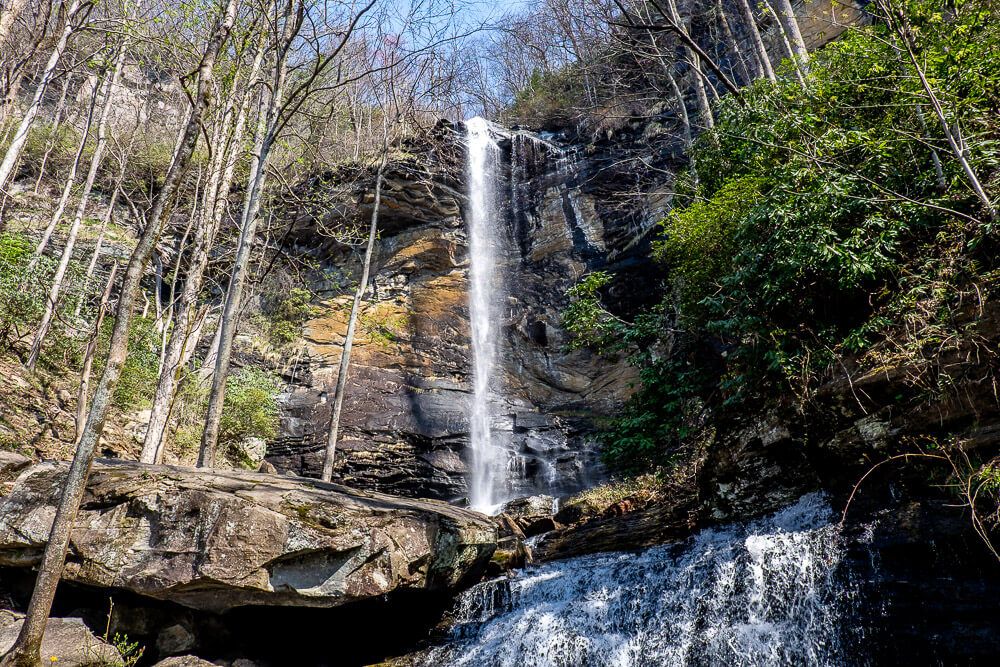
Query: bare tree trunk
x,y
70,182
88,355
188,323
92,266
674,24
698,77
786,15
180,346
762,56
682,109
21,135
345,355
26,650
727,30
81,209
168,317
267,134
54,138
9,12
783,31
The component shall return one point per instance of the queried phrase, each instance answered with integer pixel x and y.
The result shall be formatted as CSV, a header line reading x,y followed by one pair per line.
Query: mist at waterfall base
x,y
763,593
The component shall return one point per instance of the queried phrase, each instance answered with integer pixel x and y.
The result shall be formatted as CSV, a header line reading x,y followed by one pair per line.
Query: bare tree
x,y
763,59
790,24
899,23
279,111
27,648
81,209
54,130
345,355
75,17
186,322
91,351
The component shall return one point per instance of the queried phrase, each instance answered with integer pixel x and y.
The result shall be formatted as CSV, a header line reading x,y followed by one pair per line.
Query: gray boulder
x,y
214,539
67,642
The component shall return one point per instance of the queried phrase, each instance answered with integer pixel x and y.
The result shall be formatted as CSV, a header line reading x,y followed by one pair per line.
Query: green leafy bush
x,y
698,242
22,291
139,373
585,318
250,409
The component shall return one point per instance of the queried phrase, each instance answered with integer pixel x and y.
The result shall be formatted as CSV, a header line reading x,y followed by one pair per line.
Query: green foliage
x,y
658,419
585,318
817,225
250,409
22,290
285,313
698,242
61,144
139,373
130,651
382,323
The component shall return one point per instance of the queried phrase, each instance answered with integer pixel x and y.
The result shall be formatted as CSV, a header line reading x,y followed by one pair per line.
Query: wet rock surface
x,y
215,540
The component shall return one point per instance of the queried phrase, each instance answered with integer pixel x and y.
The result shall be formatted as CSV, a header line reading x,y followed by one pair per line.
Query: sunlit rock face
x,y
405,426
215,540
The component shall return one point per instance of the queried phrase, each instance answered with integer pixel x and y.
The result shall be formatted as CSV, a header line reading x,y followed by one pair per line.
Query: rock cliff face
x,y
214,540
405,424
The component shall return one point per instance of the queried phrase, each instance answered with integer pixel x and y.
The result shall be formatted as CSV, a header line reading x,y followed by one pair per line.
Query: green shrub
x,y
22,291
698,242
586,320
250,409
817,226
285,312
382,323
61,143
139,373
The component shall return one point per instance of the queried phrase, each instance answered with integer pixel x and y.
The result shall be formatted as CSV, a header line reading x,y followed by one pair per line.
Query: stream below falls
x,y
763,593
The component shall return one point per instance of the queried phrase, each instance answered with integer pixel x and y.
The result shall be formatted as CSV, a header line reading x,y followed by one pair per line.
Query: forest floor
x,y
38,416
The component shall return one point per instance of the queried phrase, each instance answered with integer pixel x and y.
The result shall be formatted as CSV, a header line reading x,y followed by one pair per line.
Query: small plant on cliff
x,y
285,313
383,323
130,651
586,319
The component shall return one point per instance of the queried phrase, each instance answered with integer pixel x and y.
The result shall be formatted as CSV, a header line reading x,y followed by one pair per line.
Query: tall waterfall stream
x,y
763,593
488,459
497,470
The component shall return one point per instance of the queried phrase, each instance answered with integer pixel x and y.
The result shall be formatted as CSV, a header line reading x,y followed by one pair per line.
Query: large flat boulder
x,y
214,540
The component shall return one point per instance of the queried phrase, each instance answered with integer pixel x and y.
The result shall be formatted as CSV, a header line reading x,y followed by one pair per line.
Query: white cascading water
x,y
762,594
488,460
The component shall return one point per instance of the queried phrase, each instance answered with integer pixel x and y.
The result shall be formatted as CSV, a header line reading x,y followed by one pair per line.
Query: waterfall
x,y
488,460
764,593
